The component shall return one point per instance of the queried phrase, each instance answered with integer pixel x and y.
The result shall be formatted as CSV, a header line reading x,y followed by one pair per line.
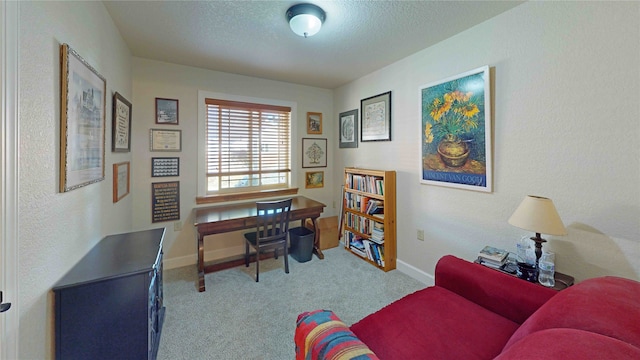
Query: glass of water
x,y
546,269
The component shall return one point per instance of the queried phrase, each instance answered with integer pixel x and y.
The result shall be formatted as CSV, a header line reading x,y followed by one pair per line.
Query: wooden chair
x,y
272,232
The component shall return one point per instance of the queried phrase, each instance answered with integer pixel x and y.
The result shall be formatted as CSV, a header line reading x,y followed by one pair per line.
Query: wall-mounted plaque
x,y
165,201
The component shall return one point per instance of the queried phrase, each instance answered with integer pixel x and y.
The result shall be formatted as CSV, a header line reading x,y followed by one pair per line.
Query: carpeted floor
x,y
237,318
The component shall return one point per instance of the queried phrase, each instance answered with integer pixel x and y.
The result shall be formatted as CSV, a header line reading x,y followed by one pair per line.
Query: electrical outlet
x,y
420,234
177,226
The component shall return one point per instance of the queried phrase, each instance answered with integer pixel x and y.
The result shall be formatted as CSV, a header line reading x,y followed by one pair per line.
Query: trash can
x,y
301,247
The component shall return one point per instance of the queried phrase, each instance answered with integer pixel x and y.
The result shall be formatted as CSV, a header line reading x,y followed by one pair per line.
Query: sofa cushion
x,y
434,323
561,344
607,305
320,334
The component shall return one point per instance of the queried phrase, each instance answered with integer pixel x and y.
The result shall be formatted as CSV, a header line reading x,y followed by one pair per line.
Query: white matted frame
x,y
455,144
314,152
82,121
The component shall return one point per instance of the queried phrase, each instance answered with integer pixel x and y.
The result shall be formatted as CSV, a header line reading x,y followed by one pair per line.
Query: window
x,y
248,146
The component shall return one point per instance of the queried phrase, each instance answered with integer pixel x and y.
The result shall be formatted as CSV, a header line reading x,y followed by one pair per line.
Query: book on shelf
x,y
494,255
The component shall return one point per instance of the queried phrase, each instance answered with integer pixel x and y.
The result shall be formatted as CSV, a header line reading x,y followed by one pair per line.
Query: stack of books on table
x,y
492,257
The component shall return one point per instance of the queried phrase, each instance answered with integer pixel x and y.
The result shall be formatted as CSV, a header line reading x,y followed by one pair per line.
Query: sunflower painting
x,y
456,131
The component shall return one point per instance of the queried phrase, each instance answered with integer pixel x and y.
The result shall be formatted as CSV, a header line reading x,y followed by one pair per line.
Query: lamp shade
x,y
538,214
305,19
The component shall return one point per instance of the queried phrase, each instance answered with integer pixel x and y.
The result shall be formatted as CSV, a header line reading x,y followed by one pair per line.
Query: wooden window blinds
x,y
248,146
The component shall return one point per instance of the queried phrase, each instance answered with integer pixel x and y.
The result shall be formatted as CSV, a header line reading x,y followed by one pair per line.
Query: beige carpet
x,y
237,318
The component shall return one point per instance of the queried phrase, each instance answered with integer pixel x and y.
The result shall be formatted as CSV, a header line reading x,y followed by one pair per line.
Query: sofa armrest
x,y
321,335
506,295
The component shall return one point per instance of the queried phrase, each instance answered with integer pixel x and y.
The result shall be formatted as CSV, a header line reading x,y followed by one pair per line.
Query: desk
x,y
227,218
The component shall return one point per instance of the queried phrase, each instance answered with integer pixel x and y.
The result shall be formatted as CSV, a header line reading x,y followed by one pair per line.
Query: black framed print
x,y
375,122
348,137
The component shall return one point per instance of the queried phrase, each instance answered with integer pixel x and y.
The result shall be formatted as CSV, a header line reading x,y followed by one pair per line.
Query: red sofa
x,y
474,312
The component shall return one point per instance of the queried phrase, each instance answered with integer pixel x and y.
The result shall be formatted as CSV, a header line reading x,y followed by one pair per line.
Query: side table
x,y
563,281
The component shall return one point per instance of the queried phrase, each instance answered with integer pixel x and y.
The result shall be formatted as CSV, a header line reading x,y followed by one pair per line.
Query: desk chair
x,y
272,232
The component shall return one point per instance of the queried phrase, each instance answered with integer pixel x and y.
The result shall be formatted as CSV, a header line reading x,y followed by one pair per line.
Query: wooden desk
x,y
227,218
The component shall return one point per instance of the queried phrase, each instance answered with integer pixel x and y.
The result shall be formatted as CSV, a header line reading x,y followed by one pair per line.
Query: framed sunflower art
x,y
456,131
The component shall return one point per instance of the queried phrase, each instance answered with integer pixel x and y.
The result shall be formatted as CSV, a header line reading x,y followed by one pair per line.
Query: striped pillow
x,y
321,335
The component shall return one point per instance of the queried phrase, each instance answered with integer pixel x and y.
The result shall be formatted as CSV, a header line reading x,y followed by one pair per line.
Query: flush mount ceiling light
x,y
305,19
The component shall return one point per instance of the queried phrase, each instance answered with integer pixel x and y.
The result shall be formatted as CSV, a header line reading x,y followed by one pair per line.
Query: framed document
x,y
82,122
121,180
121,124
165,140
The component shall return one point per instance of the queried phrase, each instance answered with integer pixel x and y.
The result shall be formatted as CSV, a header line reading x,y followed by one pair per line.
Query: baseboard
x,y
188,260
415,273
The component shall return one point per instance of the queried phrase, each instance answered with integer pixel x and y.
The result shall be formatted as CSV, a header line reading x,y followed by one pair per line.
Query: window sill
x,y
214,199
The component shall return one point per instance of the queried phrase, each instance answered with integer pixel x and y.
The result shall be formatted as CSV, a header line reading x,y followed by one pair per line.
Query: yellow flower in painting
x,y
468,111
453,113
437,110
428,134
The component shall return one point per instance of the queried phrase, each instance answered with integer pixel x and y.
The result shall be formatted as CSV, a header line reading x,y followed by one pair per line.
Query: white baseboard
x,y
414,272
188,260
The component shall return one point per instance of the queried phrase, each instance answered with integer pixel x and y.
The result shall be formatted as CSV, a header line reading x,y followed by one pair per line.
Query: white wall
x,y
153,79
57,229
565,88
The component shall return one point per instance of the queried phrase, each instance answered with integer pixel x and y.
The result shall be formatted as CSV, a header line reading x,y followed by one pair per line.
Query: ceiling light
x,y
305,19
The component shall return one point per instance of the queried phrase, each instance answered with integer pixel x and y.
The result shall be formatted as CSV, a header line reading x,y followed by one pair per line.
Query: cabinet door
x,y
103,320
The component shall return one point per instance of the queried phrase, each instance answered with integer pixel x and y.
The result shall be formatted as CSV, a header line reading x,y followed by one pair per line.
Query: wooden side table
x,y
563,281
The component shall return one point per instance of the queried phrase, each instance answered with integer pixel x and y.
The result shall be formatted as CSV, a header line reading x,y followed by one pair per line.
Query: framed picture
x,y
456,131
165,201
121,180
165,166
348,129
165,140
375,123
314,152
314,179
314,123
121,124
82,122
166,111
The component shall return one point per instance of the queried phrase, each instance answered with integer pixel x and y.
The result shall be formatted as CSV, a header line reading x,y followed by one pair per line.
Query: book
x,y
493,254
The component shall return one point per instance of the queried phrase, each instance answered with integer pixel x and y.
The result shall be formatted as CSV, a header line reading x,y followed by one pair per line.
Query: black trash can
x,y
301,247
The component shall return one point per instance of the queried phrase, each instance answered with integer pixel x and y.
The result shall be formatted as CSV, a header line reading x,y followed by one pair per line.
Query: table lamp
x,y
538,214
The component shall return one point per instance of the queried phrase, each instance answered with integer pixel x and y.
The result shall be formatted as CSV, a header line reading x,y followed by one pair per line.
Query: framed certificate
x,y
165,140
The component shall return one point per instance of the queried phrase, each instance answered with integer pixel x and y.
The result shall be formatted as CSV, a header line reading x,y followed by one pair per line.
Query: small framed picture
x,y
314,179
166,111
121,181
375,122
314,152
165,140
348,129
165,166
314,123
121,124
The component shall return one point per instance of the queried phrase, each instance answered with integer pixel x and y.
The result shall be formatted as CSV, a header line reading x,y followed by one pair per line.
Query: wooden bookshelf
x,y
369,216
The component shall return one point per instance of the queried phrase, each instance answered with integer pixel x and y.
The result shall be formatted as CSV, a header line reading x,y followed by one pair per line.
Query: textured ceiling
x,y
253,37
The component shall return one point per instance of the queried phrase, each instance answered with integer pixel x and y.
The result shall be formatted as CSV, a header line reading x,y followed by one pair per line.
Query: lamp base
x,y
539,241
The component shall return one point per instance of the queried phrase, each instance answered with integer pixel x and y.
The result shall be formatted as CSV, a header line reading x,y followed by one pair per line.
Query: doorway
x,y
9,86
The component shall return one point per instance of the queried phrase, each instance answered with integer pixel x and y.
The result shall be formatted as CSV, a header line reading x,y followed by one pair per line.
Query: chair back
x,y
272,221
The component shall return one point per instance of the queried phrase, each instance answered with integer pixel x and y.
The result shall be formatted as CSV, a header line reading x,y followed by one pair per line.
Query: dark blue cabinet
x,y
109,305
